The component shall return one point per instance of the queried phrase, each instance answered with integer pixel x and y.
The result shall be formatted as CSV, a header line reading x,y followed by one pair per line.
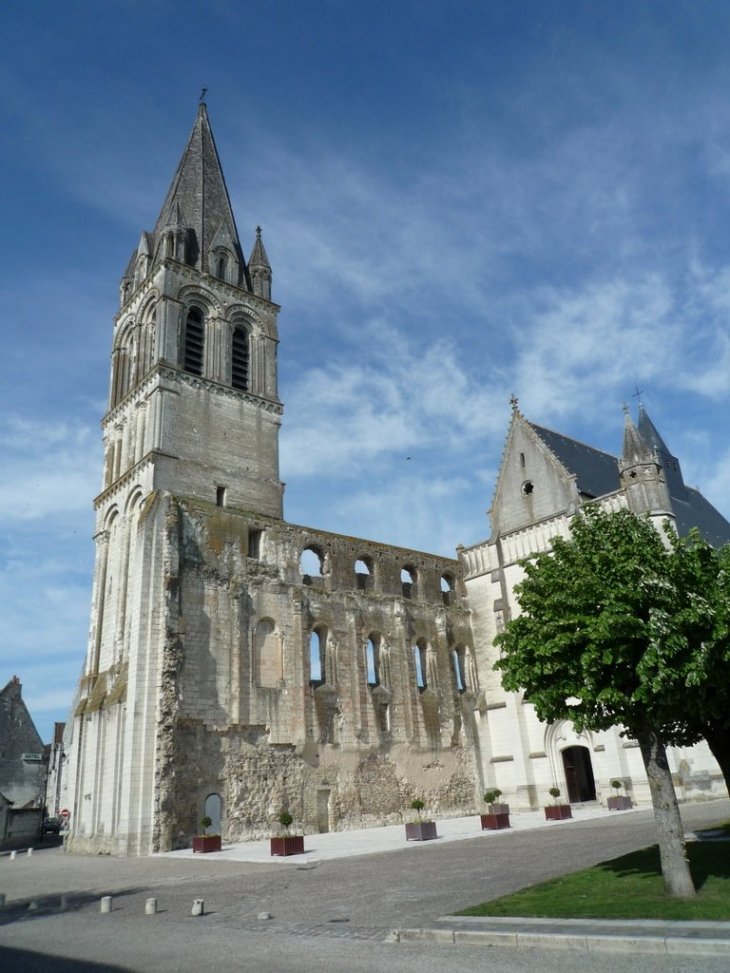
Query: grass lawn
x,y
630,887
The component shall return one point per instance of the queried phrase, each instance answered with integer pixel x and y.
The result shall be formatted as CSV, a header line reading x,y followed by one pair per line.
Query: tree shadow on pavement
x,y
25,961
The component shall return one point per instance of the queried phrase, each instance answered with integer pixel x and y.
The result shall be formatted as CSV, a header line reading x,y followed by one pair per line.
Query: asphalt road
x,y
331,915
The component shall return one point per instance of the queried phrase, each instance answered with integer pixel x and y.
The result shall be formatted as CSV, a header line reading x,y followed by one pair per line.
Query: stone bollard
x,y
30,852
2,900
13,855
198,909
33,905
150,907
106,903
65,902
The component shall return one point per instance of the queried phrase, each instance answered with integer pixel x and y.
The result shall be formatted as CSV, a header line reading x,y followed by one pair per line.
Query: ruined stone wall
x,y
345,744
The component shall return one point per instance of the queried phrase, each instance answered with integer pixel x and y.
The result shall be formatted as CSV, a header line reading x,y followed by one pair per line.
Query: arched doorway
x,y
213,808
579,774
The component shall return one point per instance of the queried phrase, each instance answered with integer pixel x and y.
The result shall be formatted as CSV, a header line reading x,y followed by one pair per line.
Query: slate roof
x,y
198,197
598,474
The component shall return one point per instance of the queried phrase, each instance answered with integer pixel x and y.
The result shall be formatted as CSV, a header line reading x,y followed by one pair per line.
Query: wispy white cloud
x,y
388,398
586,346
50,469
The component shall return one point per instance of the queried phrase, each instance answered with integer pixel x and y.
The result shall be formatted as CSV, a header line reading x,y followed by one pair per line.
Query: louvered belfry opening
x,y
239,359
194,342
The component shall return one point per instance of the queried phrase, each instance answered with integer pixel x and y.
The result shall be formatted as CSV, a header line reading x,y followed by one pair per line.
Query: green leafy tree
x,y
700,689
599,642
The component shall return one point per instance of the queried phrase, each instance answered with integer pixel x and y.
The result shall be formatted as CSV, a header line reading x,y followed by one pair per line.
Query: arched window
x,y
372,660
419,656
311,564
364,573
239,358
194,342
408,581
317,649
459,657
221,266
447,588
120,375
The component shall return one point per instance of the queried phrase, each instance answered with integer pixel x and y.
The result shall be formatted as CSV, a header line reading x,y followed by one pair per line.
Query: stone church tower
x,y
223,676
193,403
193,411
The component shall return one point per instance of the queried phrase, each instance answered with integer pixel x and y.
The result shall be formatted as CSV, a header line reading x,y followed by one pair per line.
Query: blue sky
x,y
460,201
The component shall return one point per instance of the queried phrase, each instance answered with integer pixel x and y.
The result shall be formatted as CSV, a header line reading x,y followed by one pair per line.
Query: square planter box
x,y
421,831
621,803
558,812
289,844
495,821
207,842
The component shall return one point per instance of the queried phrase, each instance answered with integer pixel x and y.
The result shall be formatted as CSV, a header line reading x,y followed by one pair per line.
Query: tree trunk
x,y
670,832
718,740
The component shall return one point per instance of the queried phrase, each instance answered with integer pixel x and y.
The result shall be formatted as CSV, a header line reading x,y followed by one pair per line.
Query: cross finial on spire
x,y
202,95
626,408
637,393
514,402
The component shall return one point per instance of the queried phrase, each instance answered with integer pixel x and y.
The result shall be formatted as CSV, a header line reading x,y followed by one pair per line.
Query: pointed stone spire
x,y
198,200
260,268
641,473
669,462
635,449
649,432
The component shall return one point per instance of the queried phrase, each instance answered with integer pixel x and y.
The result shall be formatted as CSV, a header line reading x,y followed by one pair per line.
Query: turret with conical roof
x,y
641,473
669,462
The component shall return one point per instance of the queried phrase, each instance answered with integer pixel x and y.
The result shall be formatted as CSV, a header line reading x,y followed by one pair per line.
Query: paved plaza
x,y
370,888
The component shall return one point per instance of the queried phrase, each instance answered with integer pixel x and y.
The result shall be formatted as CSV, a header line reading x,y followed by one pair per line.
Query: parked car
x,y
52,825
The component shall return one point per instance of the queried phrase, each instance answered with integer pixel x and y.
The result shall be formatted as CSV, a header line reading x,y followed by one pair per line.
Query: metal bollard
x,y
198,909
150,907
106,903
65,902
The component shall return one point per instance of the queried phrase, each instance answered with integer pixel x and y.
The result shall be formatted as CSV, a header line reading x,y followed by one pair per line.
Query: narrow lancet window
x,y
194,342
239,359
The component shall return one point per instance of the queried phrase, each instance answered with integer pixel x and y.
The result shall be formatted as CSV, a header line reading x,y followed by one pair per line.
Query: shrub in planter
x,y
557,812
286,844
497,816
619,802
205,842
420,830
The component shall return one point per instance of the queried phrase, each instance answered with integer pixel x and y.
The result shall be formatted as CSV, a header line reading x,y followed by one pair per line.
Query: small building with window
x,y
23,768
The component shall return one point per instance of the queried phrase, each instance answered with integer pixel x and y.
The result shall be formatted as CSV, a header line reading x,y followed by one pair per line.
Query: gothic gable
x,y
532,484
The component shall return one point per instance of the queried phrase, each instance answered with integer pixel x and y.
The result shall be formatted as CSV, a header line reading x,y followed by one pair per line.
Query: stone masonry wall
x,y
258,724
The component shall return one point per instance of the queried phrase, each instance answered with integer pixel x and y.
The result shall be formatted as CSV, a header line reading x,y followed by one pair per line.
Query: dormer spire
x,y
260,268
